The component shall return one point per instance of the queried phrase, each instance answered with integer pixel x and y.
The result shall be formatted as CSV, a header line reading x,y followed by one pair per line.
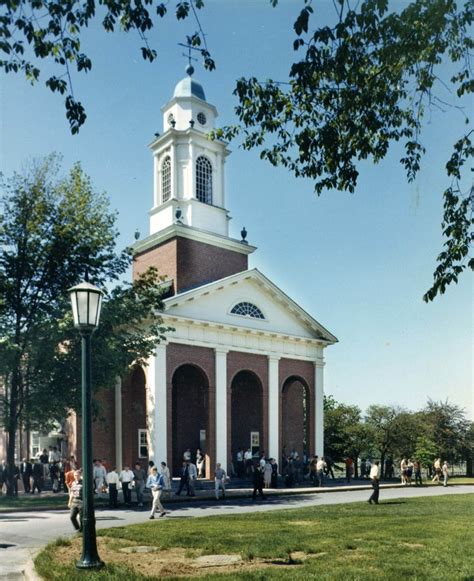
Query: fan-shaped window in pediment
x,y
246,309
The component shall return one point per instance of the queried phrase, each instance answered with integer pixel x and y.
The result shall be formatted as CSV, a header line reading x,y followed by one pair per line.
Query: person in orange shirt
x,y
69,481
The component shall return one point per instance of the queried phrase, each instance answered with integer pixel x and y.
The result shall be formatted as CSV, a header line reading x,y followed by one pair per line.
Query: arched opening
x,y
190,417
295,403
246,412
134,419
166,180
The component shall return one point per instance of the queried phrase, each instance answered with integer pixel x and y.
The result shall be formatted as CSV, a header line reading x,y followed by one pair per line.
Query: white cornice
x,y
186,135
191,233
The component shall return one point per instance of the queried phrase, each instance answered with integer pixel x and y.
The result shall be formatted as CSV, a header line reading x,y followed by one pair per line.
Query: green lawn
x,y
32,501
424,538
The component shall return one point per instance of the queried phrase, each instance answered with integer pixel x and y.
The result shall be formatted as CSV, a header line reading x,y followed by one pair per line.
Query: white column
x,y
118,424
221,406
156,406
273,408
319,405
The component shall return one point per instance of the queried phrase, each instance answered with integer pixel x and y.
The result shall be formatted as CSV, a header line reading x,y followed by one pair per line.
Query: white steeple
x,y
188,166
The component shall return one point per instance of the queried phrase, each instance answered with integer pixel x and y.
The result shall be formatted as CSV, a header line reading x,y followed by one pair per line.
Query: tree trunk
x,y
382,466
12,423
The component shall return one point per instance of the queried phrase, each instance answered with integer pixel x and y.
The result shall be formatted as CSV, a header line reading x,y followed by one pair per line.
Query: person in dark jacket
x,y
274,482
258,482
184,478
26,470
38,472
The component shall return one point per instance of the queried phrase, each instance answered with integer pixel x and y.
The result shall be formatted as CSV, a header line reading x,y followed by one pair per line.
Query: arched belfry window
x,y
246,309
204,180
166,180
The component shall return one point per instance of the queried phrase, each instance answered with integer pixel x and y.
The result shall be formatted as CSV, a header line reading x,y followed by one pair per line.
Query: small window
x,y
201,118
245,309
204,180
35,444
142,444
166,180
170,119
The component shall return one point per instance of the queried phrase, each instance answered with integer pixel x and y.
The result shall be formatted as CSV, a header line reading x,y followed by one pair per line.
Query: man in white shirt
x,y
374,477
113,481
320,468
126,478
248,462
192,475
99,473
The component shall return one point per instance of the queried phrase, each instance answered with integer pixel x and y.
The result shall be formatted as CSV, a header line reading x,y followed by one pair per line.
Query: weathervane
x,y
190,47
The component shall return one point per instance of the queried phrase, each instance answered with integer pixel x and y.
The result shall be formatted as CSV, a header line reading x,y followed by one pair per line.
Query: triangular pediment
x,y
216,301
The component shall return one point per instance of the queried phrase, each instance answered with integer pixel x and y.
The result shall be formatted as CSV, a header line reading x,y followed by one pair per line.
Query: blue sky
x,y
359,263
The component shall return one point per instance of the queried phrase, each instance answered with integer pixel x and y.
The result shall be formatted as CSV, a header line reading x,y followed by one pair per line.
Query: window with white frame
x,y
204,180
166,180
245,309
35,444
142,444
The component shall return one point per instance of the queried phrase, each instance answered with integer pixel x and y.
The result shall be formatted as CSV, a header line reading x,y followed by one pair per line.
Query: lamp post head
x,y
86,301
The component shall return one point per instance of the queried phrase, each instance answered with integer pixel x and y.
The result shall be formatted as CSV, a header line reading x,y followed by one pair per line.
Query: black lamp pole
x,y
90,557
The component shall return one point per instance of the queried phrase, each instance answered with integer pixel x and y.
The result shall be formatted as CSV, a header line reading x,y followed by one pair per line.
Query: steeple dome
x,y
188,87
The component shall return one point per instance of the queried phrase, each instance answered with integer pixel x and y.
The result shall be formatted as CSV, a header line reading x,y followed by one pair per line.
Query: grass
x,y
29,502
418,538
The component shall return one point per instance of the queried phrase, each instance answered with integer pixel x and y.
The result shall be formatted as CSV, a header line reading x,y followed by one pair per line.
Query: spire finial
x,y
189,46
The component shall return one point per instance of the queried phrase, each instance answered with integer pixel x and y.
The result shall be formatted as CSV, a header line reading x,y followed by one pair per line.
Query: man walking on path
x,y
139,478
445,470
37,476
374,477
155,483
192,476
184,478
76,501
26,470
437,470
320,467
219,479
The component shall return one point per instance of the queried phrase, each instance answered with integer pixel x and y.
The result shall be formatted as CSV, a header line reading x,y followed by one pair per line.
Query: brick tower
x,y
189,239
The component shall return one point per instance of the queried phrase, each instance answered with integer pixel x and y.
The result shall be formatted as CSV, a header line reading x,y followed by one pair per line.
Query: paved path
x,y
29,531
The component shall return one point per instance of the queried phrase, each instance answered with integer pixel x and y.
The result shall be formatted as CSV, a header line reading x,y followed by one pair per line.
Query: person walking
x,y
410,467
257,483
139,480
26,470
437,470
320,467
113,482
38,475
274,482
155,483
219,480
248,457
445,471
375,477
126,478
417,471
183,478
54,475
349,469
192,477
76,501
267,474
99,473
165,472
403,471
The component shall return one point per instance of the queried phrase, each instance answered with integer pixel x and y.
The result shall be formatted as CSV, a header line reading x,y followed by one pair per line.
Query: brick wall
x,y
203,358
103,428
190,263
290,370
133,416
257,364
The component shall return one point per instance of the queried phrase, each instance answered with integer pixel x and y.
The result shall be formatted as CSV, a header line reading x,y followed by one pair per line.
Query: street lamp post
x,y
86,301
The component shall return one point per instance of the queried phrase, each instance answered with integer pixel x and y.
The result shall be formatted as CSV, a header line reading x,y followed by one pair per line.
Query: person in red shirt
x,y
349,469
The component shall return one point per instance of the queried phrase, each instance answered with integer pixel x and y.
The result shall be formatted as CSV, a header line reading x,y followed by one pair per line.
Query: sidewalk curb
x,y
241,493
29,572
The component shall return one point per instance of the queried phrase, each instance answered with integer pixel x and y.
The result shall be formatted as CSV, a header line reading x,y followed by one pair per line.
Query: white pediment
x,y
214,302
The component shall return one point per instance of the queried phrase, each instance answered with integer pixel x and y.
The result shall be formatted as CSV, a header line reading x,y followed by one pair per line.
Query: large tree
x,y
365,81
52,231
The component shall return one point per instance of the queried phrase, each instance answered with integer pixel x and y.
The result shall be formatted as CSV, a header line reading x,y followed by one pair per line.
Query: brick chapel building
x,y
244,365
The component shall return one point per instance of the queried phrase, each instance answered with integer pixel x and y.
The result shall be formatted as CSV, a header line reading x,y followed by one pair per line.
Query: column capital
x,y
161,346
221,350
319,362
274,357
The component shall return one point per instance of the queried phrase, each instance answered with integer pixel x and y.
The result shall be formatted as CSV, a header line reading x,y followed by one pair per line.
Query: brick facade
x,y
302,371
204,359
257,364
190,263
133,417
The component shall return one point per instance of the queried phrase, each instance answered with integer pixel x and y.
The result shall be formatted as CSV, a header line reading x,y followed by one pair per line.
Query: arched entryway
x,y
134,419
295,408
190,412
246,412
